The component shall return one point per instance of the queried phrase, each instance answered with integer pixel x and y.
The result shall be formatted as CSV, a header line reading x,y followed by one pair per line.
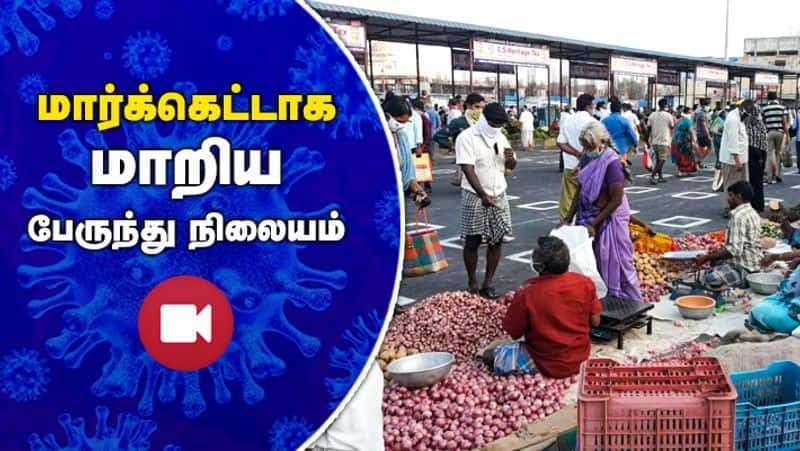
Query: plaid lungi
x,y
491,223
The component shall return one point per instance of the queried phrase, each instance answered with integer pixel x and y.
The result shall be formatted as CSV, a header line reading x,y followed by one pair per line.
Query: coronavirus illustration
x,y
387,218
24,375
131,433
30,86
8,173
319,68
12,24
257,9
224,42
351,355
288,433
104,9
101,292
146,55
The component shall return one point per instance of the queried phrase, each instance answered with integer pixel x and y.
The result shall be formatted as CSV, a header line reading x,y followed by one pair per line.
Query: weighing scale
x,y
691,282
620,316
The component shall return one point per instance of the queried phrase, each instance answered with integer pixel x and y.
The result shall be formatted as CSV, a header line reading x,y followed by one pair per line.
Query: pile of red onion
x,y
456,322
652,292
470,408
692,242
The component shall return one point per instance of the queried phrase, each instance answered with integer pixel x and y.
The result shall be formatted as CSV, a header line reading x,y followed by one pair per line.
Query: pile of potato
x,y
389,353
650,268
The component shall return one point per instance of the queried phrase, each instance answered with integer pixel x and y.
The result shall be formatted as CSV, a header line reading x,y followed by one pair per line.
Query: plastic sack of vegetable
x,y
581,255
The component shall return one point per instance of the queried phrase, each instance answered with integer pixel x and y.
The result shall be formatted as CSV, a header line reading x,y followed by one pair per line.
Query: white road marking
x,y
693,195
681,222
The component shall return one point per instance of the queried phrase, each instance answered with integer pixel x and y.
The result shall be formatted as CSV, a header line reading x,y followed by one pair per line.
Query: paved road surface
x,y
676,207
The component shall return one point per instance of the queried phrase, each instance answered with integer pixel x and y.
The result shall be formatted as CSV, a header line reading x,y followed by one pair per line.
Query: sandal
x,y
489,293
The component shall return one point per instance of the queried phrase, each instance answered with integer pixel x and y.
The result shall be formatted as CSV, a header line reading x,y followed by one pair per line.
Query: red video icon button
x,y
185,323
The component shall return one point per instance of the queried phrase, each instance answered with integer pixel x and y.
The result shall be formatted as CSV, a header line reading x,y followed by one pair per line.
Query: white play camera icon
x,y
181,323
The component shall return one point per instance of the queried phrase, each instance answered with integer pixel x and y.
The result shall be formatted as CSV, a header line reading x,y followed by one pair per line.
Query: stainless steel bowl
x,y
421,370
764,282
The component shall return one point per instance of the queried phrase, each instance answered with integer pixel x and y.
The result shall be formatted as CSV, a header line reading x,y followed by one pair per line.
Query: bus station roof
x,y
386,26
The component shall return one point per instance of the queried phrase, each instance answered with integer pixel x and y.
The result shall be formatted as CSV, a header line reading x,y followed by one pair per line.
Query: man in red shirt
x,y
554,312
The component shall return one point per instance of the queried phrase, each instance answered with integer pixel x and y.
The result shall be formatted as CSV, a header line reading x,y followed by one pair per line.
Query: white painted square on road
x,y
524,159
639,190
540,206
681,222
698,179
796,187
647,176
446,171
693,195
521,257
510,197
548,161
452,243
633,212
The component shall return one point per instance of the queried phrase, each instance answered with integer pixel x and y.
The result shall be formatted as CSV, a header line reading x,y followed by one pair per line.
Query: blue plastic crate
x,y
768,408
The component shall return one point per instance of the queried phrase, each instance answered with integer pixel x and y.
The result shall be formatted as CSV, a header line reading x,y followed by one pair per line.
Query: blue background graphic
x,y
73,373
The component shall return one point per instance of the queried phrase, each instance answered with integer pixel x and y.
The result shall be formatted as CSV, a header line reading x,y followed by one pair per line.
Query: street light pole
x,y
727,18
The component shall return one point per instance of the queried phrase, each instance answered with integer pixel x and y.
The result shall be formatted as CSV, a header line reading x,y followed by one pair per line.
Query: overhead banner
x,y
708,73
499,52
767,79
634,66
352,33
669,78
588,71
461,62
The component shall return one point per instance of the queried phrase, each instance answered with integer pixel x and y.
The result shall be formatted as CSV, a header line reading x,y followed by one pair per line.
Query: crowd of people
x,y
596,143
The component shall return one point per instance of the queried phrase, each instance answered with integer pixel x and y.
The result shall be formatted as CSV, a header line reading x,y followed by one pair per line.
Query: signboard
x,y
498,52
588,71
767,79
634,66
461,62
709,73
669,78
352,33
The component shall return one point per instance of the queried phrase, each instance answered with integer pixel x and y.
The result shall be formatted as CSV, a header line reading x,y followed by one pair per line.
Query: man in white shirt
x,y
660,123
483,153
526,127
454,112
359,426
570,145
602,110
734,147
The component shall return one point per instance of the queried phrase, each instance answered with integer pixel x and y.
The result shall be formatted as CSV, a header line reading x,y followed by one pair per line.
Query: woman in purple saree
x,y
601,206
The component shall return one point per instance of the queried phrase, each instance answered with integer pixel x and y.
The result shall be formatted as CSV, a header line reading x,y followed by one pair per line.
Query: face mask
x,y
593,154
395,126
687,116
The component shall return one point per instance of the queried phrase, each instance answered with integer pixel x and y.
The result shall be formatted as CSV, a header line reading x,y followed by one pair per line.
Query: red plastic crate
x,y
686,407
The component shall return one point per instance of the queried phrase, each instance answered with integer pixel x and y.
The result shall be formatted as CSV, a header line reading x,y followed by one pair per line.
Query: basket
x,y
768,411
657,244
688,407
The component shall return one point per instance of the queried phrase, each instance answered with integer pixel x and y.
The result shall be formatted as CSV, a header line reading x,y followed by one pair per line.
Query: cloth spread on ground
x,y
613,246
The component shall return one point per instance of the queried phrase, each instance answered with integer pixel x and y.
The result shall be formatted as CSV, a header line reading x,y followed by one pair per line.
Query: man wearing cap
x,y
484,153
